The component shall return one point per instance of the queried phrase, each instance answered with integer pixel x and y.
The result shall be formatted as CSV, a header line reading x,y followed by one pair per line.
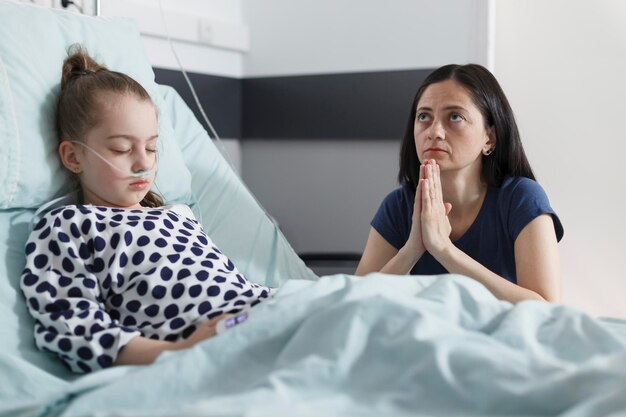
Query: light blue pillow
x,y
33,45
228,212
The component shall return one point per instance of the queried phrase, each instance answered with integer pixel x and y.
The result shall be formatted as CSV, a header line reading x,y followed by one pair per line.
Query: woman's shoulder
x,y
515,188
522,199
400,195
398,204
392,220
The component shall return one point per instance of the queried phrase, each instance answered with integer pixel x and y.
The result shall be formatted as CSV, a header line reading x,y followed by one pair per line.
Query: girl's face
x,y
450,129
126,136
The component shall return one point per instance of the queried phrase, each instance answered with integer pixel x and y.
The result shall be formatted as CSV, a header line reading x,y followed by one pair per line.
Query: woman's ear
x,y
69,158
490,145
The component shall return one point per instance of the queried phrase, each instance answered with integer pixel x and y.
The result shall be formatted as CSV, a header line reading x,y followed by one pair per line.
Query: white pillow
x,y
33,45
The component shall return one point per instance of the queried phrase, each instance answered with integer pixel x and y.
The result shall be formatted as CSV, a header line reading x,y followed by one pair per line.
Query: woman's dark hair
x,y
82,81
508,157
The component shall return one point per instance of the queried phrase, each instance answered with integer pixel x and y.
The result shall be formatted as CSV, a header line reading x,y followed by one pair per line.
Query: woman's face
x,y
450,129
126,136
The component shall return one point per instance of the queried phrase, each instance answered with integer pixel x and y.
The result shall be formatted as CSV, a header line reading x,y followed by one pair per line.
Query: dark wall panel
x,y
220,97
371,105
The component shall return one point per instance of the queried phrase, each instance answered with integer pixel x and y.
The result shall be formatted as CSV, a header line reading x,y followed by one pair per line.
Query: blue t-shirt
x,y
489,240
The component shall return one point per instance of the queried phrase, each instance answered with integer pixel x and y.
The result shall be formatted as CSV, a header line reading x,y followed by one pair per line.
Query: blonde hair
x,y
82,80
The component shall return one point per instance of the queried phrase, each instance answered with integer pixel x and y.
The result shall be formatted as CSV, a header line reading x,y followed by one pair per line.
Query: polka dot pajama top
x,y
96,277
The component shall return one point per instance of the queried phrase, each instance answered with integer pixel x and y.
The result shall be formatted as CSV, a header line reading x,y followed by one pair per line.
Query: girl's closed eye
x,y
120,151
127,151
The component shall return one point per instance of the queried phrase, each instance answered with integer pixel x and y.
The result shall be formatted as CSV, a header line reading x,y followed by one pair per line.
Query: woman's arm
x,y
537,264
380,256
537,259
536,253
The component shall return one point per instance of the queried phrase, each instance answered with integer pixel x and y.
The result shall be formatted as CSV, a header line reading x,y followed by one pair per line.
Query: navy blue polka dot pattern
x,y
96,277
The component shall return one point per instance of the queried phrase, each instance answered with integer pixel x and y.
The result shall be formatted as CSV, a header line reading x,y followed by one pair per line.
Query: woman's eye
x,y
422,117
455,117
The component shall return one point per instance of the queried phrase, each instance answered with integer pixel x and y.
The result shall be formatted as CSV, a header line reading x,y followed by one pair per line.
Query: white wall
x,y
559,61
194,57
563,66
317,37
321,36
325,193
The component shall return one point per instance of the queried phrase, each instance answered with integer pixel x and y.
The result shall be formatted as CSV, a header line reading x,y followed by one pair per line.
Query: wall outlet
x,y
206,32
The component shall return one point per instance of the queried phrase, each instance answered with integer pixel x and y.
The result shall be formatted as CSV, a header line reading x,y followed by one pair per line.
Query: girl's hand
x,y
141,350
436,226
203,331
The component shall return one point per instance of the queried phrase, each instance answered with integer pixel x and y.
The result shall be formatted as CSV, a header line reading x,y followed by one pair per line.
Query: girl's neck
x,y
88,197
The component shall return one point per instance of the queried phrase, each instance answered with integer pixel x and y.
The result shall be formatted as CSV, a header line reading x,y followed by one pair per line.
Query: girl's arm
x,y
142,351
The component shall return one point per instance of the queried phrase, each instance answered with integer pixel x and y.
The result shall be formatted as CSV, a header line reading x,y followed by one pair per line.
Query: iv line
x,y
193,91
206,119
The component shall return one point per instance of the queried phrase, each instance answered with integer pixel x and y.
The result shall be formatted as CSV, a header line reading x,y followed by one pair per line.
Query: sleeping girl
x,y
120,278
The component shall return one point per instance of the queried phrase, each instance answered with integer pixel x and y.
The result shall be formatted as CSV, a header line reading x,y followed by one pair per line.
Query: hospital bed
x,y
335,345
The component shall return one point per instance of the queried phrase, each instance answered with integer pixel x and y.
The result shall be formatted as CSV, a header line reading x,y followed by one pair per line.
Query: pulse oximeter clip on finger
x,y
230,322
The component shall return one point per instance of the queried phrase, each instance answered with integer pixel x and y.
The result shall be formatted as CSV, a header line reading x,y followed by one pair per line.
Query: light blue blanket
x,y
375,346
